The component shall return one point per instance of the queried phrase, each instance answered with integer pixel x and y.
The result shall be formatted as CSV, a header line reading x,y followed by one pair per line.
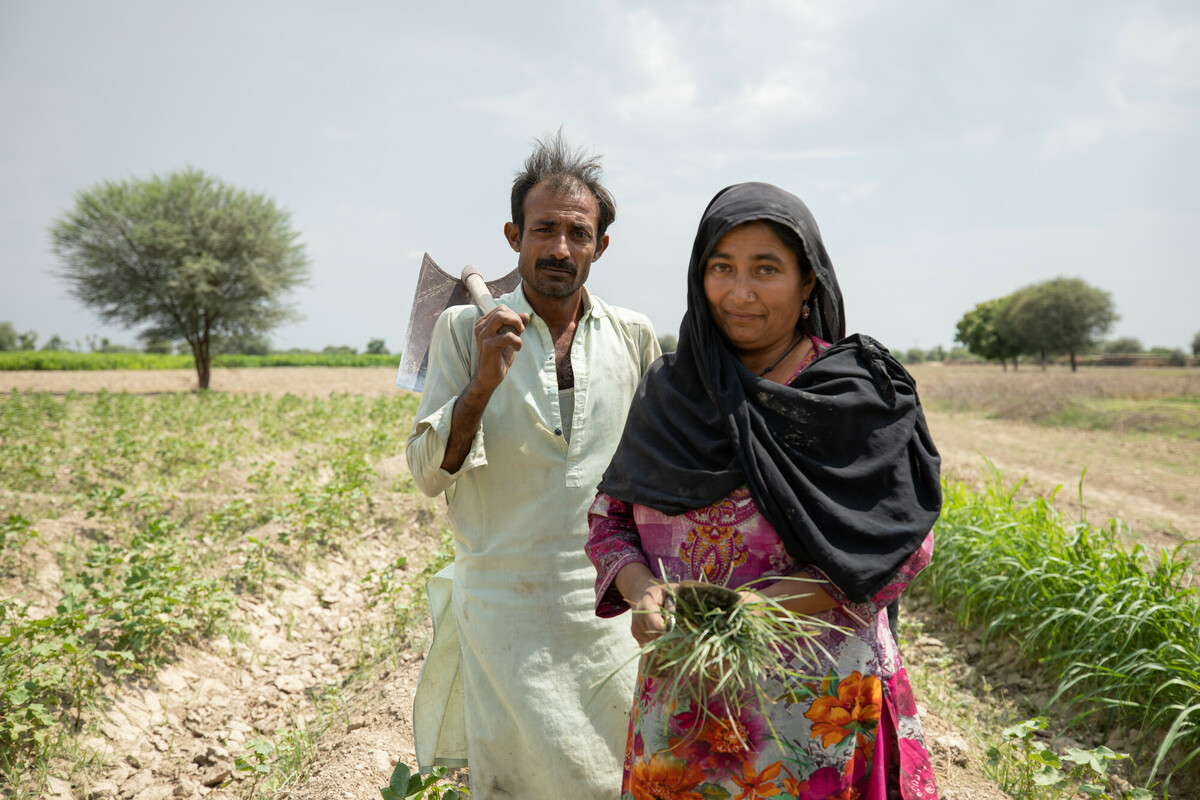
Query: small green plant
x,y
15,531
317,513
141,597
103,502
404,785
272,764
47,678
405,594
381,584
236,517
256,569
1027,768
257,762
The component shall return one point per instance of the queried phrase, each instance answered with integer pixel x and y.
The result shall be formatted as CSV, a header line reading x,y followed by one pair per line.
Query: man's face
x,y
559,242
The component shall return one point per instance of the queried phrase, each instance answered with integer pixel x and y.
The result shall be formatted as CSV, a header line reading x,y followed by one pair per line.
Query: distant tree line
x,y
11,341
1056,317
936,355
1064,316
1129,346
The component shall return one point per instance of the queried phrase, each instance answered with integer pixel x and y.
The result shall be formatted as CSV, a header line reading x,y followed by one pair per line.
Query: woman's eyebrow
x,y
767,256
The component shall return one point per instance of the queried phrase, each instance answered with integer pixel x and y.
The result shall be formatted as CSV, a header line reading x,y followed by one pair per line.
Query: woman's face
x,y
754,288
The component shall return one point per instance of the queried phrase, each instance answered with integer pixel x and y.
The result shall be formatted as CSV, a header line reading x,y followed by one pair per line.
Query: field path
x,y
319,381
1149,482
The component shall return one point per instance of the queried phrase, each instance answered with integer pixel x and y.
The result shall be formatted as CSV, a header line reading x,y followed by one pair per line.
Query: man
x,y
521,412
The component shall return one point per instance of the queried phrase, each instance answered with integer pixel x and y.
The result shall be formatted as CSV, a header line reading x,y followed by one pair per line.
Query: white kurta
x,y
531,649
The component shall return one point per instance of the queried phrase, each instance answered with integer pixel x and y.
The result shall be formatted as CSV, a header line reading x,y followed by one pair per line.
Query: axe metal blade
x,y
436,291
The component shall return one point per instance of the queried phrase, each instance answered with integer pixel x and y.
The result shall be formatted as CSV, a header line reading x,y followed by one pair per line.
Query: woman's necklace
x,y
788,352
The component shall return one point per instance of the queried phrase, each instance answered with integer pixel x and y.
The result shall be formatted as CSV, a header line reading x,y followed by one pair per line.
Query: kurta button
x,y
558,431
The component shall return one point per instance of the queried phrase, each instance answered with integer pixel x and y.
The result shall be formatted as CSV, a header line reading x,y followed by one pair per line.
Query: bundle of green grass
x,y
719,652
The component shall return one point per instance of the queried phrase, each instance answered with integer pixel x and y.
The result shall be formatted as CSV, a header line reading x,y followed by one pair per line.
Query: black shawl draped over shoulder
x,y
840,461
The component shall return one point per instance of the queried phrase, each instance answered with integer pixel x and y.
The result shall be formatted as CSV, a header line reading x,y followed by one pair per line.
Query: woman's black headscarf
x,y
840,462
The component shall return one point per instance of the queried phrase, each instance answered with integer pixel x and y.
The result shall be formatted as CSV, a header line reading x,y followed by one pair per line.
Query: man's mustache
x,y
556,263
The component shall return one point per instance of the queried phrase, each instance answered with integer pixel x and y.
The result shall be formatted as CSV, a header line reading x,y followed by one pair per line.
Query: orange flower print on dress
x,y
714,546
715,740
756,785
855,709
664,778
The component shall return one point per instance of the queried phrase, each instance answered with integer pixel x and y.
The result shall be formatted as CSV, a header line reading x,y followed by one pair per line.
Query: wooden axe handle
x,y
480,294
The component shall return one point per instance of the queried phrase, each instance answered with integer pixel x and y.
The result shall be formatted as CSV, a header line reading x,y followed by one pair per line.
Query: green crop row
x,y
190,499
1115,628
122,611
63,360
176,441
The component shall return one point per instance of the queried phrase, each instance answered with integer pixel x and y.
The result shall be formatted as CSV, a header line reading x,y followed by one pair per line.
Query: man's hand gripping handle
x,y
480,295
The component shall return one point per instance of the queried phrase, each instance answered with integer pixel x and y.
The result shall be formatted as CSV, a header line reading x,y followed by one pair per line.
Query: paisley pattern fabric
x,y
714,546
850,731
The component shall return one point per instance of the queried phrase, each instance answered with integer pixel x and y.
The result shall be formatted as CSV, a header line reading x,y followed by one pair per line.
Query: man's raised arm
x,y
445,438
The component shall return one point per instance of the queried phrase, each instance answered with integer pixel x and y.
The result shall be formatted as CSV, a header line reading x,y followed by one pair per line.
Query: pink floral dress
x,y
851,733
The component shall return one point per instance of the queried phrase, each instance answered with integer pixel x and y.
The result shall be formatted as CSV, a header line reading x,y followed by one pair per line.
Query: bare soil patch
x,y
302,658
1147,481
319,381
1030,392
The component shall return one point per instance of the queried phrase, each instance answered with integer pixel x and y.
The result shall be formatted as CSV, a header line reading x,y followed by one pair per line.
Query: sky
x,y
951,152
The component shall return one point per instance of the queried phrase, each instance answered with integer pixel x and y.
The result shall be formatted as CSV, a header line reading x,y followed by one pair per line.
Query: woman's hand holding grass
x,y
645,594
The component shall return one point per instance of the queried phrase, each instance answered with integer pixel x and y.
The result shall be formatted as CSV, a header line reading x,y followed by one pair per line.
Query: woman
x,y
759,451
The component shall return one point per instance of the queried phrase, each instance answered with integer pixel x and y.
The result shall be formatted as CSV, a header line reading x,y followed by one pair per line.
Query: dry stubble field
x,y
176,733
1143,465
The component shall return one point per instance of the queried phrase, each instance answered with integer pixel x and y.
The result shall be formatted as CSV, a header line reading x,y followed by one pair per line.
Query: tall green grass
x,y
1117,628
62,360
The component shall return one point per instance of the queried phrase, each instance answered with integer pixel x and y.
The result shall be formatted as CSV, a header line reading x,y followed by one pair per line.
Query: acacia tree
x,y
185,254
1064,315
1196,345
977,332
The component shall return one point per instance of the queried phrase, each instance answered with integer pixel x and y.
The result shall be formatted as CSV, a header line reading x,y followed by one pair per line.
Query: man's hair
x,y
562,168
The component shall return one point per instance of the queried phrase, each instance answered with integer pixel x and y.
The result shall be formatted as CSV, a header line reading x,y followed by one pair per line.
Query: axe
x,y
437,291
